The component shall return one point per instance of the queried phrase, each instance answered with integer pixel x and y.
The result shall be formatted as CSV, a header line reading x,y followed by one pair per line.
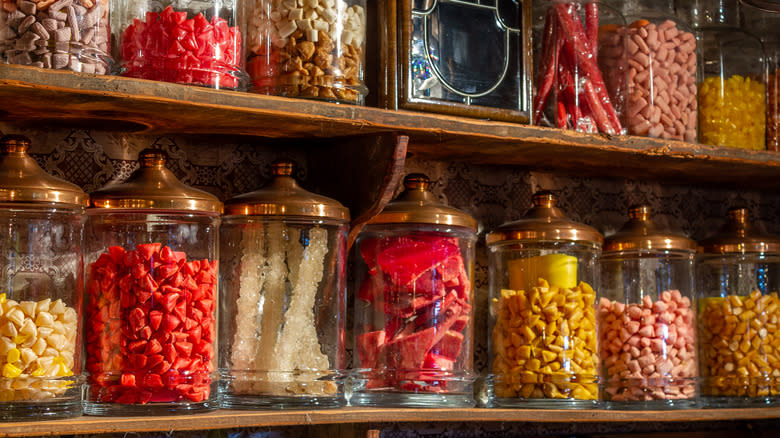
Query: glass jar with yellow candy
x,y
739,313
542,321
732,93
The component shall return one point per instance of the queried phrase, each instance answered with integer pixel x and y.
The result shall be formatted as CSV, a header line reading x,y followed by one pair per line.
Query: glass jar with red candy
x,y
151,294
186,42
414,304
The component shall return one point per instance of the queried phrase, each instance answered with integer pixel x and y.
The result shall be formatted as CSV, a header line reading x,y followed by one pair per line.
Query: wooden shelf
x,y
30,96
225,419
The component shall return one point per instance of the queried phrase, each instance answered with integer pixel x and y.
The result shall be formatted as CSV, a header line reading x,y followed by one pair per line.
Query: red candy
x,y
420,284
149,339
169,47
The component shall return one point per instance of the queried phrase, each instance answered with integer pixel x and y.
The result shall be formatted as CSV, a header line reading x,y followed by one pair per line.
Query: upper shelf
x,y
34,96
240,419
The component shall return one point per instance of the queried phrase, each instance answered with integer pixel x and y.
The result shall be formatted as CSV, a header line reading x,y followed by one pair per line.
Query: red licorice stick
x,y
550,48
571,29
592,26
562,119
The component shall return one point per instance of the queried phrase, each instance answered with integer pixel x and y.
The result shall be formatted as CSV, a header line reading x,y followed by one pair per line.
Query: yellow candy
x,y
560,270
2,298
13,355
731,112
11,371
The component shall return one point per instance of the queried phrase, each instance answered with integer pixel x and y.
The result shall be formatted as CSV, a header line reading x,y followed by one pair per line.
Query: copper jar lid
x,y
284,197
545,222
418,205
739,236
642,233
23,180
153,186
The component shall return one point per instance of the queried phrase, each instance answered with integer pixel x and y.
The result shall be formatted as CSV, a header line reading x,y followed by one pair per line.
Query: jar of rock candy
x,y
542,321
186,42
731,75
56,34
307,48
414,267
739,313
151,294
661,70
283,305
41,280
765,26
581,82
647,327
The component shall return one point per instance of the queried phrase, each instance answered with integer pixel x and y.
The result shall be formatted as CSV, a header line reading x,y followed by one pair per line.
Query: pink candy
x,y
648,349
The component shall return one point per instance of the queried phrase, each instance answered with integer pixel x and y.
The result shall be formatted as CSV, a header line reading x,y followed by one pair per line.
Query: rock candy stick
x,y
294,250
299,347
270,317
250,284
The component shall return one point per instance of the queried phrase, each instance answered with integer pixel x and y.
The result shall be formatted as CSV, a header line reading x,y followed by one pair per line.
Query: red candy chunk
x,y
143,345
420,283
169,47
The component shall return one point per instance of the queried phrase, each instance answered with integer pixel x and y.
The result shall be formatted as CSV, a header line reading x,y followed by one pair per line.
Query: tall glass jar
x,y
310,48
151,295
543,346
186,42
41,281
283,304
739,310
731,75
764,25
647,324
414,313
661,70
56,34
581,82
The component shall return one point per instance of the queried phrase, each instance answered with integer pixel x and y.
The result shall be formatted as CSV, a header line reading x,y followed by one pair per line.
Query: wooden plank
x,y
30,96
240,419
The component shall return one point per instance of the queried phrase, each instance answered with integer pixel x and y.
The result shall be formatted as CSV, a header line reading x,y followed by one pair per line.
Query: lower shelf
x,y
226,419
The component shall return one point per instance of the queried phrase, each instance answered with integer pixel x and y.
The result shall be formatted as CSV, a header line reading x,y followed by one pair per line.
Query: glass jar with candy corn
x,y
580,82
414,312
41,275
151,295
739,312
542,320
186,42
646,317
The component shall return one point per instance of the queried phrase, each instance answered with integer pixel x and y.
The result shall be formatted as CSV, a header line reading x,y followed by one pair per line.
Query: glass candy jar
x,y
414,266
56,34
647,324
739,312
542,321
661,53
283,305
151,294
186,42
41,280
731,75
581,41
310,48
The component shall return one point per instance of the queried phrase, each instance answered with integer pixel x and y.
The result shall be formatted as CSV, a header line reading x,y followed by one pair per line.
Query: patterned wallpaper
x,y
493,194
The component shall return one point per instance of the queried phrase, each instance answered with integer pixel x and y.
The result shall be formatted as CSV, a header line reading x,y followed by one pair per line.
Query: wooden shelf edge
x,y
36,96
226,419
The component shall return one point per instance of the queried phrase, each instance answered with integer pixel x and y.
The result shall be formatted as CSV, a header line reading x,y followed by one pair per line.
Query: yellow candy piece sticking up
x,y
560,270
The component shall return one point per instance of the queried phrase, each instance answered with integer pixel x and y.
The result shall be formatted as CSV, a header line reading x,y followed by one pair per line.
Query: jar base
x,y
541,403
412,400
652,405
125,410
737,402
240,401
39,410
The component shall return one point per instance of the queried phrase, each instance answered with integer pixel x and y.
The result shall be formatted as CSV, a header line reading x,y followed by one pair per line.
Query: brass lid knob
x,y
153,186
418,205
284,197
23,181
545,222
641,233
740,236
